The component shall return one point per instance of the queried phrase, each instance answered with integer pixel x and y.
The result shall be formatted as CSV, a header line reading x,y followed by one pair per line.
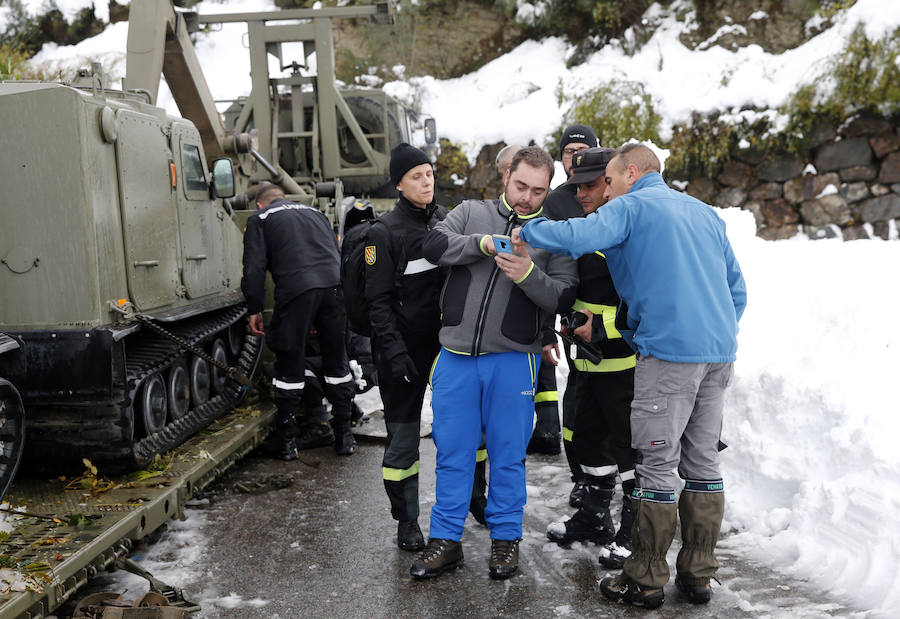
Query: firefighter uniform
x,y
297,245
403,292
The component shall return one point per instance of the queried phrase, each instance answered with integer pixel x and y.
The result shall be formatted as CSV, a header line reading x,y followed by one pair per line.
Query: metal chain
x,y
231,372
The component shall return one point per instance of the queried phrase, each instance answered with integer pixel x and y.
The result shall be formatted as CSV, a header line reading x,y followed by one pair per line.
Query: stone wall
x,y
848,177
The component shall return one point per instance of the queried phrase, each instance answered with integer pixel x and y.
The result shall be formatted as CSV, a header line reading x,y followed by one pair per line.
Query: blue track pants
x,y
494,394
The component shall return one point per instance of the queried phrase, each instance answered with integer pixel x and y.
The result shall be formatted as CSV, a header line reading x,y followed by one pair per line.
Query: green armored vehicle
x,y
113,219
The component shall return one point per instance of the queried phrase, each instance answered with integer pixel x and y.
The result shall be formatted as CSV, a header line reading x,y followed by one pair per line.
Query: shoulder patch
x,y
370,255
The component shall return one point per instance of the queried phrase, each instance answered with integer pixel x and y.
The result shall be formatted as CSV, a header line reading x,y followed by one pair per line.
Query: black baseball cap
x,y
590,164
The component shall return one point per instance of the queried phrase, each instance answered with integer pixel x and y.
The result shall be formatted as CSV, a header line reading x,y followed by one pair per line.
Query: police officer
x,y
403,291
297,245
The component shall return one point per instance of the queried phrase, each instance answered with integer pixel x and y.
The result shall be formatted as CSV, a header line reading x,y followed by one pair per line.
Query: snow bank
x,y
812,474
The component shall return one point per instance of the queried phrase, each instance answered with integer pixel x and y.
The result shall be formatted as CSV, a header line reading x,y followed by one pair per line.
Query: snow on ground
x,y
812,475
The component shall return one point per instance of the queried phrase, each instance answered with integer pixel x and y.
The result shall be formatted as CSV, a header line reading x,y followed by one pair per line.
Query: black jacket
x,y
597,292
403,289
297,244
561,203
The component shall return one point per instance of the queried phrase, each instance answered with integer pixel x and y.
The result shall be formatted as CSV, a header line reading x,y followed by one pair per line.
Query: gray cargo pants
x,y
676,421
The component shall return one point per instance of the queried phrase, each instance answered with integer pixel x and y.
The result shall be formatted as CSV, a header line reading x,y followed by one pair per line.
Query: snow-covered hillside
x,y
812,473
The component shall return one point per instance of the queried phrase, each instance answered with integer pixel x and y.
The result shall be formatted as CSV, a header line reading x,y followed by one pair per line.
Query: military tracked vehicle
x,y
114,221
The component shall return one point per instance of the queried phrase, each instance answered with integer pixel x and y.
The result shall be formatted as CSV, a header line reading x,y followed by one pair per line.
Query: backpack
x,y
353,276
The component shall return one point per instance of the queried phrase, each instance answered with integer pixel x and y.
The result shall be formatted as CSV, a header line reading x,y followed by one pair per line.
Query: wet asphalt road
x,y
325,547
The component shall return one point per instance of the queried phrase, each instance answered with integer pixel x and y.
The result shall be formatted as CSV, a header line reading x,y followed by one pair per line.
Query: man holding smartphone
x,y
494,307
685,337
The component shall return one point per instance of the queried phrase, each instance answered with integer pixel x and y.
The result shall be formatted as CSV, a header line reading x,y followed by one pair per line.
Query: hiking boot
x,y
439,556
544,443
613,555
577,494
344,443
622,588
504,561
696,594
583,526
317,435
409,535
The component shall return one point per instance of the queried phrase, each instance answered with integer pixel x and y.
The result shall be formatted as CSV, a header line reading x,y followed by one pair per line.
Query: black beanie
x,y
578,133
403,159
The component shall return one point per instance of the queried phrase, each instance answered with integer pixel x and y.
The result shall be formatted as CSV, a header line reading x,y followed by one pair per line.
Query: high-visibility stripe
x,y
527,273
627,475
546,396
568,434
600,471
607,365
418,266
390,474
458,352
481,455
533,366
595,308
606,312
284,207
309,373
280,384
337,380
434,365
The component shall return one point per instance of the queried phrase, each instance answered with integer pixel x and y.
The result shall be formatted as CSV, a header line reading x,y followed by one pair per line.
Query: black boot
x,y
613,555
344,443
315,435
592,522
479,487
409,535
577,493
281,444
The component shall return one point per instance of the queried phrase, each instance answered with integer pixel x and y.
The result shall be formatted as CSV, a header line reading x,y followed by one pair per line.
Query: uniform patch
x,y
657,443
370,255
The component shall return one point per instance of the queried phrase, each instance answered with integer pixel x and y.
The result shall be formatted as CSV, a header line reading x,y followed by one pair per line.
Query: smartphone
x,y
502,244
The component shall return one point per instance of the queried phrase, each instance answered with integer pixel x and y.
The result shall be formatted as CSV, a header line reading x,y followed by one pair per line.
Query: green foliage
x,y
618,111
699,148
868,73
864,77
12,62
578,19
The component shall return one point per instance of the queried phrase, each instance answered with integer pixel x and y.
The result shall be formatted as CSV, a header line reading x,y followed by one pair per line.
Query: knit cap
x,y
404,158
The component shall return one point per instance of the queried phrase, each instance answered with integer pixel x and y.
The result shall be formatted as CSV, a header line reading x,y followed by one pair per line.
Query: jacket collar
x,y
650,179
412,210
509,212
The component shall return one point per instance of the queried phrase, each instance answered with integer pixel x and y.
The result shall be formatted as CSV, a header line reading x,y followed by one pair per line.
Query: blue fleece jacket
x,y
671,263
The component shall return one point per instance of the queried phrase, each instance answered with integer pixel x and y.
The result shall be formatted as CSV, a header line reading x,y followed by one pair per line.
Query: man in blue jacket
x,y
673,266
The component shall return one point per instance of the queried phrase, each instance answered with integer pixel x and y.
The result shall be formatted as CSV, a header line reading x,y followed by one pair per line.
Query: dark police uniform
x,y
297,245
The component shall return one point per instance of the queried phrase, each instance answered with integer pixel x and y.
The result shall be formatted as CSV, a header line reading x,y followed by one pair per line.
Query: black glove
x,y
403,369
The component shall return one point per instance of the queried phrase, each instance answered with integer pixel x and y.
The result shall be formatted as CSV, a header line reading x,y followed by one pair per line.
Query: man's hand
x,y
487,245
550,353
584,331
516,237
256,325
514,265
